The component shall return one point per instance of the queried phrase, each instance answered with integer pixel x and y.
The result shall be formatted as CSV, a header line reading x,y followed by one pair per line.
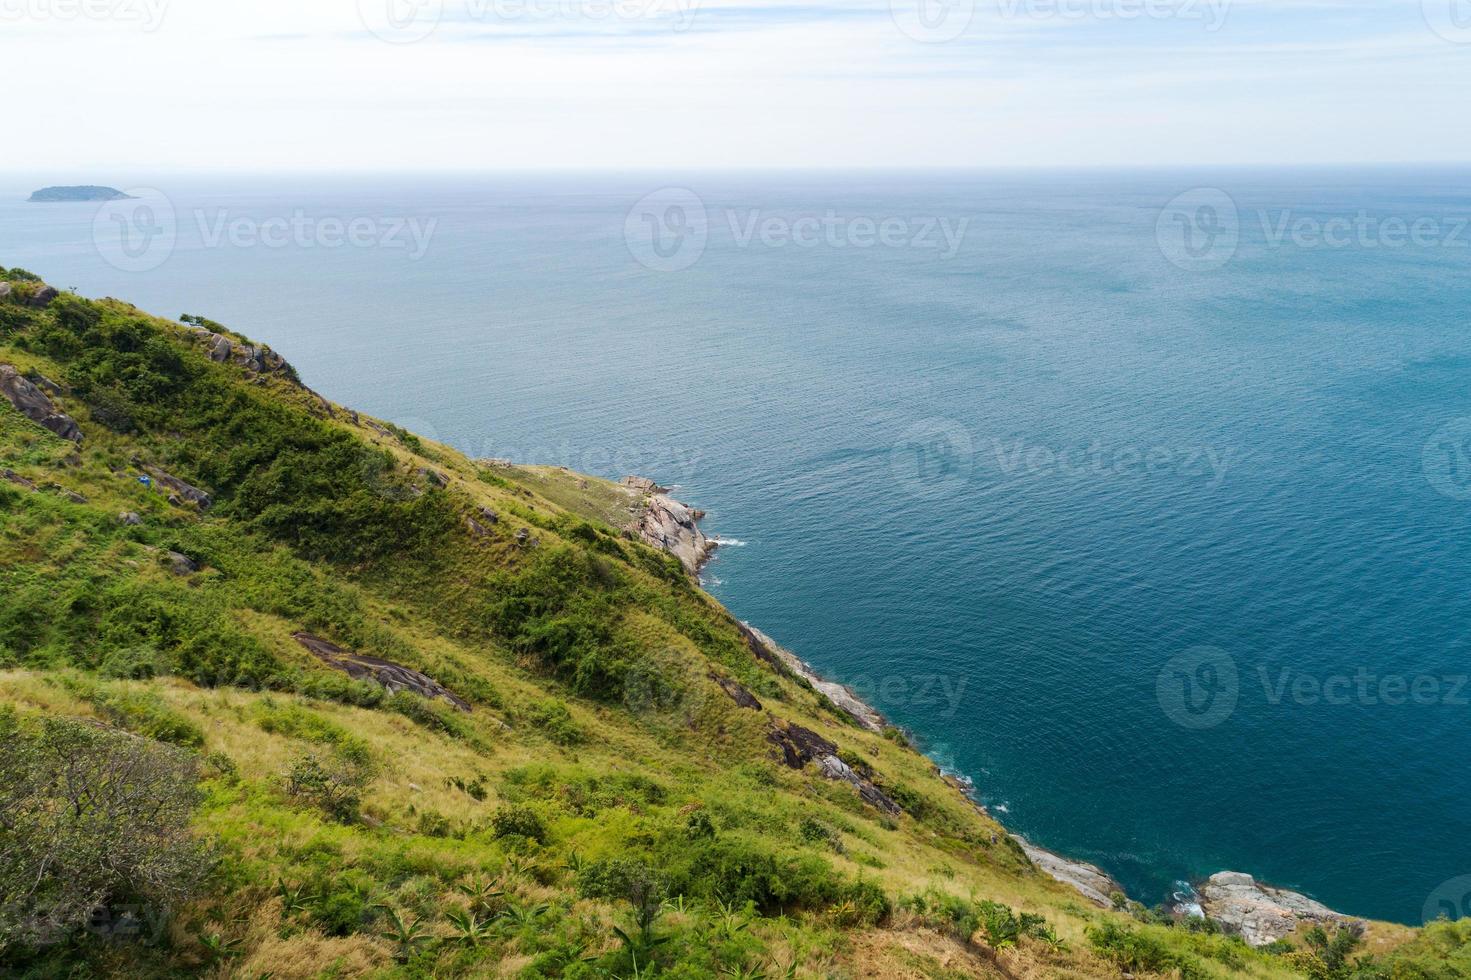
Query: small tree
x,y
90,817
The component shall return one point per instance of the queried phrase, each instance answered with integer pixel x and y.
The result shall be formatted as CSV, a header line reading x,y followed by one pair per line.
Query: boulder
x,y
181,564
43,296
129,519
179,491
5,290
10,476
31,402
642,484
1260,914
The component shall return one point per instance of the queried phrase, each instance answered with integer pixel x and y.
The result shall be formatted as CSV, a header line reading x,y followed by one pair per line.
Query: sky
x,y
485,85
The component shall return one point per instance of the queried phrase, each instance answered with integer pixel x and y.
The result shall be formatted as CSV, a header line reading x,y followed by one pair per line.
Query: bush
x,y
555,721
333,786
518,821
92,816
1134,951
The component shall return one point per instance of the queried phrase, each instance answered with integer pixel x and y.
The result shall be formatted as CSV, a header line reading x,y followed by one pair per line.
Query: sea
x,y
1142,498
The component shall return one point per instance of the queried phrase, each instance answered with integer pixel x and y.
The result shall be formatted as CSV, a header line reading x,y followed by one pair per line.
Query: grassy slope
x,y
592,699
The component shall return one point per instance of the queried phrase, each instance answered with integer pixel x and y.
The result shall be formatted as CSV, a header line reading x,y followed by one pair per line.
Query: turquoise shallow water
x,y
1172,561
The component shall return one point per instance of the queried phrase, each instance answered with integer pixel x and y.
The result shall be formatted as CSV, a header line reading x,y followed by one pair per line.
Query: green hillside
x,y
286,691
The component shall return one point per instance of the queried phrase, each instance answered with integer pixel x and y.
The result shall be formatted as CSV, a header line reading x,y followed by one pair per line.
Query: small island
x,y
83,192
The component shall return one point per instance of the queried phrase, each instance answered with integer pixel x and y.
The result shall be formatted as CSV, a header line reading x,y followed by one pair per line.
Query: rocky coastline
x,y
1260,914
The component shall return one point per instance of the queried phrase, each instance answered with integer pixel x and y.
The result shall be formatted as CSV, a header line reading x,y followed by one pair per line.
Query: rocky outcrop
x,y
843,699
1092,882
395,677
178,489
32,402
737,692
667,524
180,564
257,359
42,296
799,746
10,476
1260,914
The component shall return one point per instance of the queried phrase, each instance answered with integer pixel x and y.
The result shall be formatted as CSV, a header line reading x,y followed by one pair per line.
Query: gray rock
x,y
5,290
737,692
395,677
1092,882
43,296
488,515
800,746
70,495
31,402
642,484
667,524
179,491
1260,914
10,476
181,564
129,518
765,648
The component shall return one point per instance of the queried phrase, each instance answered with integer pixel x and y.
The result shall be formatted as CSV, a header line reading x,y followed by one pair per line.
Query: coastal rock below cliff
x,y
667,524
1259,913
1092,882
32,402
845,700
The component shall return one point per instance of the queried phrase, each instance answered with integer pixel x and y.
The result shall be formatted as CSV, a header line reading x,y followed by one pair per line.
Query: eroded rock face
x,y
32,402
1260,913
667,524
395,677
800,746
1092,882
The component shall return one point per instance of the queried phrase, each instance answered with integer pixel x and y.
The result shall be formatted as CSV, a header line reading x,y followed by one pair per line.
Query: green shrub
x,y
1135,951
518,821
333,786
555,721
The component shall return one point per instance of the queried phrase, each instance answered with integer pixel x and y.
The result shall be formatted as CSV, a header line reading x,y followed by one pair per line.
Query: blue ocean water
x,y
1146,508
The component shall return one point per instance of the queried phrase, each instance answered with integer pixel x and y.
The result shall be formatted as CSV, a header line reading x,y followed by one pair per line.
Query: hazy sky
x,y
98,86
